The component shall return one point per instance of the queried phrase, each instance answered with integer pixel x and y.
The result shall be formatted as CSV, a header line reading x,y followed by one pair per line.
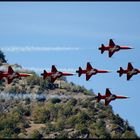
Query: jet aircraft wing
x,y
53,79
107,102
111,43
88,76
54,68
108,93
130,67
10,70
129,76
9,80
111,53
89,67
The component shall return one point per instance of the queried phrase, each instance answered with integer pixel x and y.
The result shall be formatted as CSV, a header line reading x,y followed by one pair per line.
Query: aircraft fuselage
x,y
56,74
114,49
132,72
92,71
110,98
13,75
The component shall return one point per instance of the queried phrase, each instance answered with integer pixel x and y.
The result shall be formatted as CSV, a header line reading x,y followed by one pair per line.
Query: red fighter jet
x,y
112,48
108,97
11,74
130,71
89,71
54,74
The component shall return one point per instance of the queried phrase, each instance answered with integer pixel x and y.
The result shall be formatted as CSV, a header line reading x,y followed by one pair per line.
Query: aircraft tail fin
x,y
121,71
98,97
54,69
10,70
44,74
102,48
79,71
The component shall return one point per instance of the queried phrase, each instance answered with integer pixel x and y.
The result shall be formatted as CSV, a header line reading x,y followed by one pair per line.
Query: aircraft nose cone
x,y
127,97
122,97
108,71
130,48
126,47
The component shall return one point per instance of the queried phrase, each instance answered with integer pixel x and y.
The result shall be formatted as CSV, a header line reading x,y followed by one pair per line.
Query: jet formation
x,y
89,71
112,48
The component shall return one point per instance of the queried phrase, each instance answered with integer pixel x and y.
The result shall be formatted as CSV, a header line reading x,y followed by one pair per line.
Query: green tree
x,y
55,100
82,129
35,135
60,124
67,110
49,127
53,109
2,58
72,102
129,134
83,117
71,121
40,114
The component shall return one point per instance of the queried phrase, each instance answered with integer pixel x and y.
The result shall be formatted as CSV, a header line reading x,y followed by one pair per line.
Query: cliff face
x,y
33,108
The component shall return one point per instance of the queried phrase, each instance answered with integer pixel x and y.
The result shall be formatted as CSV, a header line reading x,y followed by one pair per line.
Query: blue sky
x,y
83,25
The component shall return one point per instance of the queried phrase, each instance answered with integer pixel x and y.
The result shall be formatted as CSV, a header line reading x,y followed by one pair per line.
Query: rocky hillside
x,y
33,108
